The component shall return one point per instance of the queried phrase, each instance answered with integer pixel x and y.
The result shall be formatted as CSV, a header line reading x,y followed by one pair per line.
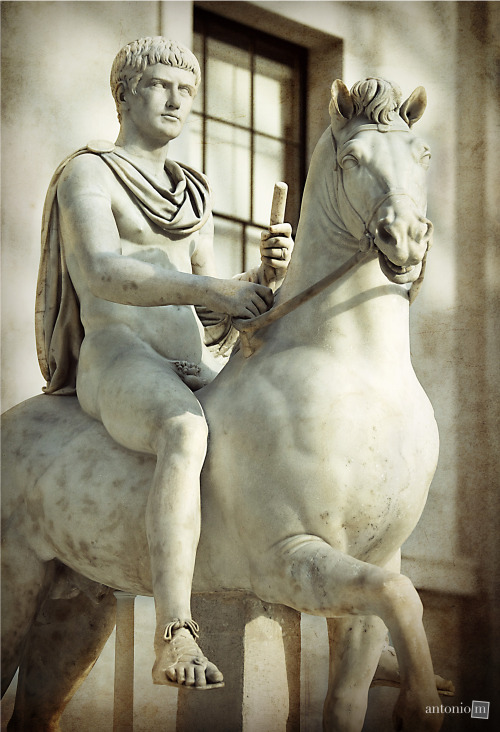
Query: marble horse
x,y
322,449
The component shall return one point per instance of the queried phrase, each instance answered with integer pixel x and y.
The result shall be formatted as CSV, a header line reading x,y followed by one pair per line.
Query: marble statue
x,y
134,236
322,442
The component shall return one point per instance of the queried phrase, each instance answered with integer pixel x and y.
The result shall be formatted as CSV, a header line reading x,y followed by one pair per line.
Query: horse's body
x,y
322,449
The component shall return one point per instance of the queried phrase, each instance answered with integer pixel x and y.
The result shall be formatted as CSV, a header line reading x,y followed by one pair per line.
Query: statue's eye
x,y
349,161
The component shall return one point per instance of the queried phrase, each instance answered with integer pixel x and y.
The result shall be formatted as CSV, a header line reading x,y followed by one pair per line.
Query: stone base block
x,y
257,648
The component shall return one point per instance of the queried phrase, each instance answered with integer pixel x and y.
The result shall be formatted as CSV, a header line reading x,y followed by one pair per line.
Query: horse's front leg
x,y
307,574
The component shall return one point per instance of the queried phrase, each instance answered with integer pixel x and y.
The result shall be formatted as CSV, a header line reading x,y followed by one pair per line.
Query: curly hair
x,y
131,62
378,99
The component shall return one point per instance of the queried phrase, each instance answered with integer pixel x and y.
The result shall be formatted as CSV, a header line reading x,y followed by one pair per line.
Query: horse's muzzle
x,y
402,243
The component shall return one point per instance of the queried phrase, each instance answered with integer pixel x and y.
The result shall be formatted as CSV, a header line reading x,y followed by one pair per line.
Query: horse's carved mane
x,y
378,99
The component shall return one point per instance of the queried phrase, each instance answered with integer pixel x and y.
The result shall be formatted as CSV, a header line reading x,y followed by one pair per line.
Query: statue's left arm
x,y
275,249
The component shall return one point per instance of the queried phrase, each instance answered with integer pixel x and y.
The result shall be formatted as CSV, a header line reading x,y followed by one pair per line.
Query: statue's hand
x,y
276,246
240,299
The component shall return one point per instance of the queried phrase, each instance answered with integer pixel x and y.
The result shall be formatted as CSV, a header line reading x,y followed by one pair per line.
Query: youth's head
x,y
133,59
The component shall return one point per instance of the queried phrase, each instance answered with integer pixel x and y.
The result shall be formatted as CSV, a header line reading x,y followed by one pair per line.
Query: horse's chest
x,y
369,459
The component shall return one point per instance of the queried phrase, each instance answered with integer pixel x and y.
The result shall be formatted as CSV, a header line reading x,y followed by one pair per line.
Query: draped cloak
x,y
179,210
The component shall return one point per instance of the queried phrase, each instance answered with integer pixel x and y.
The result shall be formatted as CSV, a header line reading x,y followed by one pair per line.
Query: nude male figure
x,y
136,281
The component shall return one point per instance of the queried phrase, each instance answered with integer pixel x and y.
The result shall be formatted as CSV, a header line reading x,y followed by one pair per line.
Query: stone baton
x,y
278,204
277,216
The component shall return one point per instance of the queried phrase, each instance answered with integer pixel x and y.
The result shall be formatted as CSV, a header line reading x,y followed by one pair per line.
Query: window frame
x,y
256,43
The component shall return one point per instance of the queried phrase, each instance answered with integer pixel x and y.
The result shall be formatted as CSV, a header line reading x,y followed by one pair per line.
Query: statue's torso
x,y
173,331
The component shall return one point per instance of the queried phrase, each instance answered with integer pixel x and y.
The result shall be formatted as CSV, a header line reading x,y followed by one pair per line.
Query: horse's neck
x,y
360,315
363,313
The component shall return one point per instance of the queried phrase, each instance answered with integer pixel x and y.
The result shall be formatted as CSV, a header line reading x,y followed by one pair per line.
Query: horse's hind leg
x,y
355,647
66,641
25,581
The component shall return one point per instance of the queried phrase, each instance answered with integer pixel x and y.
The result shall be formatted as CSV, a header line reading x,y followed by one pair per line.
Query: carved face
x,y
382,167
162,101
384,178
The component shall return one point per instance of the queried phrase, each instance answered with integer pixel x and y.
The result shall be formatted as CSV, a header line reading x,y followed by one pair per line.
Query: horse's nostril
x,y
385,234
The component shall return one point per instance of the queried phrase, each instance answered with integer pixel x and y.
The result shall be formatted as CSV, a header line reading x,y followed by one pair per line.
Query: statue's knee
x,y
186,434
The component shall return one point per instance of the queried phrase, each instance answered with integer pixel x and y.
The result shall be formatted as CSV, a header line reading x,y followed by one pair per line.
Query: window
x,y
248,131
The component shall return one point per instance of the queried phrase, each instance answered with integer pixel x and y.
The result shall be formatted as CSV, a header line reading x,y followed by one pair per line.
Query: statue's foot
x,y
387,674
180,661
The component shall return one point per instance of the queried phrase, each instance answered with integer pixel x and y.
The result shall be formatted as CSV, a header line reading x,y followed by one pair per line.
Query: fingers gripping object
x,y
277,217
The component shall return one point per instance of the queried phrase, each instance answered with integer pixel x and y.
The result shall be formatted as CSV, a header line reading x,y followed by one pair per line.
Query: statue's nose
x,y
407,240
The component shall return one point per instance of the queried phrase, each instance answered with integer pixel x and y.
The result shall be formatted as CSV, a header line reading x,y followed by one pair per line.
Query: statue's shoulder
x,y
85,170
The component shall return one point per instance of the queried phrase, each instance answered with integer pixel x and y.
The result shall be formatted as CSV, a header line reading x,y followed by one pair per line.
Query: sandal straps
x,y
177,624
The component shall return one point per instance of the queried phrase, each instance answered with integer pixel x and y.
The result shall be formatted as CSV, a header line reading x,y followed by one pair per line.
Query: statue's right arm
x,y
91,235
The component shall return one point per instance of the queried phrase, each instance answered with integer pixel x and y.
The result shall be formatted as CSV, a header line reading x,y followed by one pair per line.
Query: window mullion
x,y
244,248
204,104
252,124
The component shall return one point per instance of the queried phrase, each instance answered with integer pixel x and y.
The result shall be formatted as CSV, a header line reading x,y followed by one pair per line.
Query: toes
x,y
189,676
213,675
199,676
171,674
181,675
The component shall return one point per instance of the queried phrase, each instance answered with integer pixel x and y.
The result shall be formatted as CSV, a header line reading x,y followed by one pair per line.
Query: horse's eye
x,y
349,161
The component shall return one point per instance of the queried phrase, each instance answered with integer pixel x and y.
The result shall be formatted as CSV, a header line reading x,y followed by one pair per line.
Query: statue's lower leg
x,y
173,529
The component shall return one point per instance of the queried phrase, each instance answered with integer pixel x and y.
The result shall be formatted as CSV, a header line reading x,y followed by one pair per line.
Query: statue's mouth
x,y
397,274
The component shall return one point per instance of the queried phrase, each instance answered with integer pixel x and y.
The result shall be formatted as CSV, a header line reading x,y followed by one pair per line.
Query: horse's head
x,y
381,166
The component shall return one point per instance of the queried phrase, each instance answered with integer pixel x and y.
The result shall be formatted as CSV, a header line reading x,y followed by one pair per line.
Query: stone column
x,y
257,647
123,713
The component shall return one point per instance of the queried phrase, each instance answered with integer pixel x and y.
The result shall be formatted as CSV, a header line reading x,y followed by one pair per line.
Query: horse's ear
x,y
414,107
341,105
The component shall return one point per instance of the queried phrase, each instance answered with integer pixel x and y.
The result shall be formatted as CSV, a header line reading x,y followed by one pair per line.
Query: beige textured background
x,y
56,58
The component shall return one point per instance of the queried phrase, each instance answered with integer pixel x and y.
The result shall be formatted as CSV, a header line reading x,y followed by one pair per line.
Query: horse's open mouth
x,y
397,274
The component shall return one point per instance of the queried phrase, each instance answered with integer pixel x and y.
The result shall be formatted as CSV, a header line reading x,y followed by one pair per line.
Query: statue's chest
x,y
142,239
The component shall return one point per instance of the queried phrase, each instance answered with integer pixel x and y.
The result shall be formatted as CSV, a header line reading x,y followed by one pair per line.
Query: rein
x,y
249,327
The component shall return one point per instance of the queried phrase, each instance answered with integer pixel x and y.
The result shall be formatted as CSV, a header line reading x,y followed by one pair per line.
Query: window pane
x,y
228,168
227,247
274,98
252,247
269,168
228,82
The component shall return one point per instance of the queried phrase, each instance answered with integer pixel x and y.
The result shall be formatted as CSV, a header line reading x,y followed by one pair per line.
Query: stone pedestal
x,y
257,647
123,716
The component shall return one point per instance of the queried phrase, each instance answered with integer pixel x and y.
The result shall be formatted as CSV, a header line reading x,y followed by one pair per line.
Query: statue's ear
x,y
414,107
121,92
341,105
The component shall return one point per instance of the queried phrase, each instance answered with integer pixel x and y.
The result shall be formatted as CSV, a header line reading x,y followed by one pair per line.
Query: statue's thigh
x,y
140,395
